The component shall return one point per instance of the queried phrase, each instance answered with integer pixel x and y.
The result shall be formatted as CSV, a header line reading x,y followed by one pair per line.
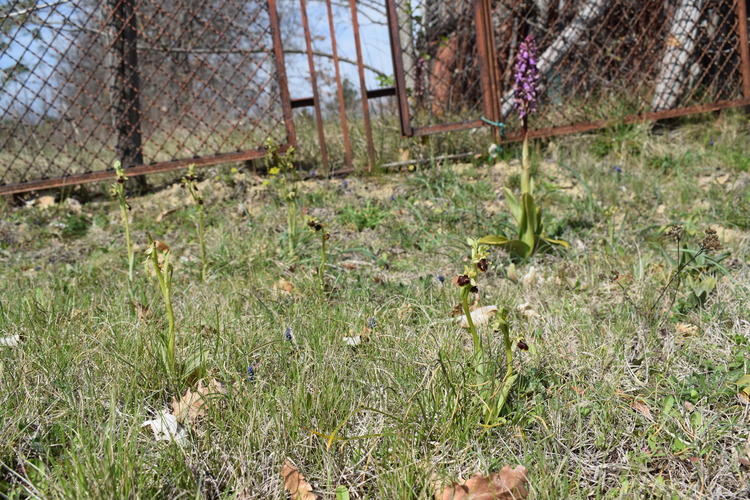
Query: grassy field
x,y
611,402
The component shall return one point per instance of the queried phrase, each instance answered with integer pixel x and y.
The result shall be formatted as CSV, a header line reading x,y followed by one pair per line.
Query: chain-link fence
x,y
600,60
161,84
146,82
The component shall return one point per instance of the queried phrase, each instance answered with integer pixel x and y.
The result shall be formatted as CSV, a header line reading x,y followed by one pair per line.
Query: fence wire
x,y
158,84
599,59
85,83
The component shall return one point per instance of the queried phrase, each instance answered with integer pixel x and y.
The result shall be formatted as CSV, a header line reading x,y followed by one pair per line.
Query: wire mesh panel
x,y
600,60
85,83
439,50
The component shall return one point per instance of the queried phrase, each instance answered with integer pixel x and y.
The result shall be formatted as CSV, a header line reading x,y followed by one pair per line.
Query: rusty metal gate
x,y
601,61
162,84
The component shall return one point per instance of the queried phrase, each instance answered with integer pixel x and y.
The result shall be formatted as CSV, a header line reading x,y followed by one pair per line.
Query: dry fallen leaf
x,y
508,484
295,483
142,310
686,329
164,213
10,341
479,316
74,205
191,405
284,286
45,202
642,408
166,428
527,311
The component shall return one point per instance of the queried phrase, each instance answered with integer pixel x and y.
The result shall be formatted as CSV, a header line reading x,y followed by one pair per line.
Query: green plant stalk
x,y
464,296
291,222
202,241
128,241
526,172
322,271
165,283
508,355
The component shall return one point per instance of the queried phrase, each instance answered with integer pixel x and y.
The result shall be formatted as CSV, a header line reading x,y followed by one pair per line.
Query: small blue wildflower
x,y
617,168
441,278
345,183
711,142
251,373
312,173
371,323
393,197
288,334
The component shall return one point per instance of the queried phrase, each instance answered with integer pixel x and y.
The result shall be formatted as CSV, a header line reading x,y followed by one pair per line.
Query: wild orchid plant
x,y
528,216
193,367
118,192
160,255
319,228
283,179
190,181
494,395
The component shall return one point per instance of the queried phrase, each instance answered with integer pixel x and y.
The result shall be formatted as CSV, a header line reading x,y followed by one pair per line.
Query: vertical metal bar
x,y
339,86
362,86
744,47
487,61
314,83
495,78
398,69
126,83
278,53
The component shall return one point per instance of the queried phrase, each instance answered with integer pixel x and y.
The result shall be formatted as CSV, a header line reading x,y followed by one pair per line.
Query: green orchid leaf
x,y
528,230
561,243
513,204
342,493
518,249
493,240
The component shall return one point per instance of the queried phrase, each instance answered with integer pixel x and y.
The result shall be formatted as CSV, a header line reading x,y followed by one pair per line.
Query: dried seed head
x,y
675,232
711,242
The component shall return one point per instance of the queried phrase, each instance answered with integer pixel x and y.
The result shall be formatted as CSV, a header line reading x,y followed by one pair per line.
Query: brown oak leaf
x,y
190,407
508,484
295,483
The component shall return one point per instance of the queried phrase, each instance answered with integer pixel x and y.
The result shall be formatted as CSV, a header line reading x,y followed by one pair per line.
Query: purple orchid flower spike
x,y
526,78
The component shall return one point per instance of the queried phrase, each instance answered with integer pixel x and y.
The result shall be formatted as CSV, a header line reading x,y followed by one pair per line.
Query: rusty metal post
x,y
126,83
314,83
744,47
398,68
362,86
339,86
278,55
488,63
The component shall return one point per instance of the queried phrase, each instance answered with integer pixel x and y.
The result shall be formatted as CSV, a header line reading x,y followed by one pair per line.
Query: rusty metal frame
x,y
201,161
744,46
154,168
492,88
